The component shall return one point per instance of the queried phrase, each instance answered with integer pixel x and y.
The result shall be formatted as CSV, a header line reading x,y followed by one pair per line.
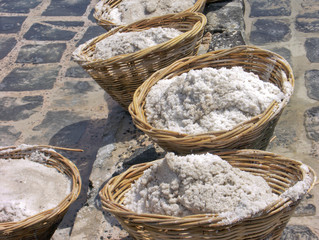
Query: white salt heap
x,y
129,11
129,42
194,184
209,99
29,187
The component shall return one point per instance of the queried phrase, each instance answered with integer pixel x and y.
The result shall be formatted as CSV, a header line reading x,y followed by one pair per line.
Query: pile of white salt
x,y
129,11
203,183
195,184
29,187
129,42
209,99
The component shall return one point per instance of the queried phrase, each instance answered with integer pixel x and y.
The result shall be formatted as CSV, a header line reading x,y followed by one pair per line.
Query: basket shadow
x,y
90,136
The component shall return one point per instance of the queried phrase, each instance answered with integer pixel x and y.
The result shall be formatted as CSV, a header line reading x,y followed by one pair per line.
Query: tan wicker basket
x,y
119,76
98,15
280,173
253,134
43,224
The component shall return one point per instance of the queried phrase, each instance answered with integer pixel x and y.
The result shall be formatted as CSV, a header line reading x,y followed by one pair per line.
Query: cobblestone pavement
x,y
48,99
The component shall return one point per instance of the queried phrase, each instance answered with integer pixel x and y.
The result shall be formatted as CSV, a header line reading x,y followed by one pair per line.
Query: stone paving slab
x,y
46,98
30,78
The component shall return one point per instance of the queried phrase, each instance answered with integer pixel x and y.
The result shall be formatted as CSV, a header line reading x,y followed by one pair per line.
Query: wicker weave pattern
x,y
44,224
197,7
254,134
280,173
119,76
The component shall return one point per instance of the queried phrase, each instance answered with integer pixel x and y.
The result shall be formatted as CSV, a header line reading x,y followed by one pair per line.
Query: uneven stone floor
x,y
46,98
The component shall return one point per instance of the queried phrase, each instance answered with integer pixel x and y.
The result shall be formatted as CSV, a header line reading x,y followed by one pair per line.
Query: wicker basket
x,y
43,224
280,173
119,76
197,7
252,134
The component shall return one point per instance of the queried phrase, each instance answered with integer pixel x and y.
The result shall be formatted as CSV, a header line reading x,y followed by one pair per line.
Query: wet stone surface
x,y
260,8
312,49
299,232
44,32
312,83
91,32
18,6
11,24
312,123
14,109
76,72
66,23
66,8
8,135
30,79
47,53
268,31
6,45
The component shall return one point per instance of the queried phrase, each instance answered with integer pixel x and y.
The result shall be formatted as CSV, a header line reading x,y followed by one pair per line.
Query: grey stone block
x,y
307,20
304,209
261,8
11,24
294,232
18,6
312,49
44,32
224,16
14,109
8,135
30,78
66,8
47,53
226,39
55,120
76,72
91,32
6,45
268,31
66,23
312,83
284,52
312,123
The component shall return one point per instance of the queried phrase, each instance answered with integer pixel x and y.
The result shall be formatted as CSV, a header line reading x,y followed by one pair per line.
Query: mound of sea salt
x,y
209,99
29,187
195,184
129,11
129,42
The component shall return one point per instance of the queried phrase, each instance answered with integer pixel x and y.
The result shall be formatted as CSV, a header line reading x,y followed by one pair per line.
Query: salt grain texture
x,y
129,11
209,99
129,42
194,184
28,187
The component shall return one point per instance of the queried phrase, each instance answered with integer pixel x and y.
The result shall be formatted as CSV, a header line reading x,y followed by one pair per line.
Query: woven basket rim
x,y
267,115
200,23
197,7
213,219
64,204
